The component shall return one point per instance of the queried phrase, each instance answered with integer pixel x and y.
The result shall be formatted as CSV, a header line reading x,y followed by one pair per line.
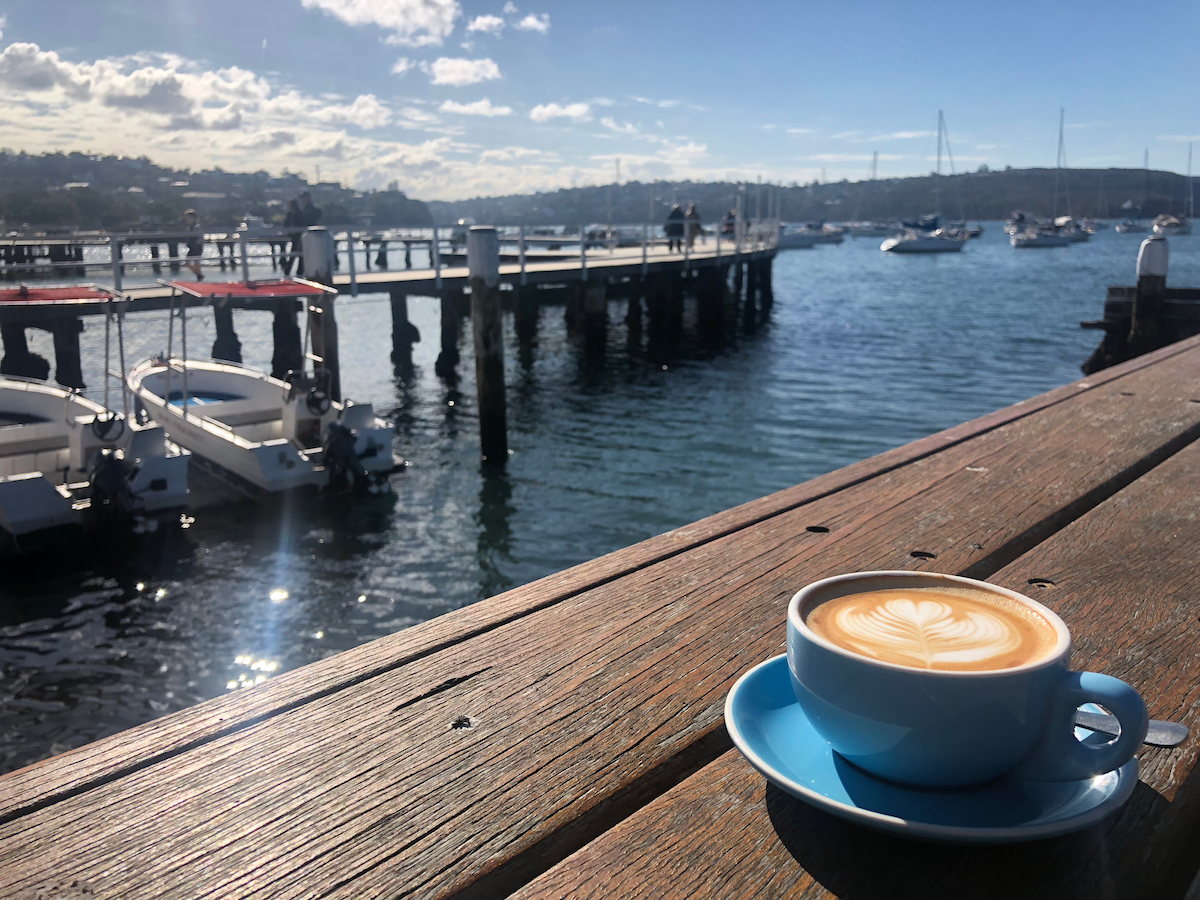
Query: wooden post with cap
x,y
483,263
318,248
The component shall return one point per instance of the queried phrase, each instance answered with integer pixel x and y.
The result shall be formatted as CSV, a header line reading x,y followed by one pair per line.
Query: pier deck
x,y
566,738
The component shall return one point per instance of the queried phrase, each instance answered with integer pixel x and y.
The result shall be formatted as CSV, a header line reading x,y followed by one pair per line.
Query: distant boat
x,y
822,233
870,229
1039,237
1074,232
792,239
1130,226
913,240
1169,226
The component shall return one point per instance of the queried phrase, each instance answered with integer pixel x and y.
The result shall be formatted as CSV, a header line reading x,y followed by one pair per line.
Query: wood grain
x,y
1125,579
583,708
102,761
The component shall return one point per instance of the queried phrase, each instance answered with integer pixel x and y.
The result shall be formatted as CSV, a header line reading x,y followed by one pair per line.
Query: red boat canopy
x,y
252,290
79,293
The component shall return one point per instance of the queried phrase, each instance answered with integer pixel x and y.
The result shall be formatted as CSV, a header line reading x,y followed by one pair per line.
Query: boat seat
x,y
250,417
32,438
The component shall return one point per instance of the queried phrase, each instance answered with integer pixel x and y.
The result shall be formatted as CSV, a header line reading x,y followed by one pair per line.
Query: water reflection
x,y
494,520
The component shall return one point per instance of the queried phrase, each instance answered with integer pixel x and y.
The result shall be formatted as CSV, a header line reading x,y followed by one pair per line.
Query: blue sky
x,y
456,98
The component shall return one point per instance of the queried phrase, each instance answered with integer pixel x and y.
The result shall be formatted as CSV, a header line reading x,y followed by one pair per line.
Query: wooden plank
x,y
109,758
583,710
1124,577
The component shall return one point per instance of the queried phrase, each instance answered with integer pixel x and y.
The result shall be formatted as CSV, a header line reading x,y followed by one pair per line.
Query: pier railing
x,y
444,245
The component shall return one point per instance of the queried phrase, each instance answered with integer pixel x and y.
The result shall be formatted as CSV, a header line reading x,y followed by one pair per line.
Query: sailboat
x,y
1136,225
1168,225
918,239
1061,230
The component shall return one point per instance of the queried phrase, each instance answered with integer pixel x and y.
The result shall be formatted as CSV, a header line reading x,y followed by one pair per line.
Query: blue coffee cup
x,y
949,729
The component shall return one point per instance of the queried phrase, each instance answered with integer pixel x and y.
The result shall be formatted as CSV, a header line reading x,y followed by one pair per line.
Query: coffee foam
x,y
955,629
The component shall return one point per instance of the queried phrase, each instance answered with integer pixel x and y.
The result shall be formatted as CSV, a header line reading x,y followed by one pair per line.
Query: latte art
x,y
927,628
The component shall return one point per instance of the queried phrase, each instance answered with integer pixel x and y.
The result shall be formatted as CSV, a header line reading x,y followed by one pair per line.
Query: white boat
x,y
793,239
822,234
1074,232
915,241
1039,237
66,462
1130,226
273,435
1169,226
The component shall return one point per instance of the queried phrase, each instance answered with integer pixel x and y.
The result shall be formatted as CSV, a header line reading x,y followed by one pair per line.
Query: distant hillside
x,y
60,190
980,195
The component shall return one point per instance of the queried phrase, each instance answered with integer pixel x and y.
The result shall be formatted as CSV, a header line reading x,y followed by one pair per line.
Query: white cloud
x,y
459,72
487,24
3,22
580,112
402,65
510,8
532,22
482,107
619,127
366,112
799,130
415,23
1178,138
661,104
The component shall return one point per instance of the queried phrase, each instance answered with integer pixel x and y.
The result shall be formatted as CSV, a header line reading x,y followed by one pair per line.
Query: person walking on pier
x,y
307,215
194,242
729,223
694,228
674,229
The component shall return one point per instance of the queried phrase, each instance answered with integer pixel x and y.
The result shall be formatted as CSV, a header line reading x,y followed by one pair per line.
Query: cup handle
x,y
1060,756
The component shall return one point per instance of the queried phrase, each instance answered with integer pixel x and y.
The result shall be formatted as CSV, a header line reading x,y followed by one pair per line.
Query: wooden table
x,y
565,739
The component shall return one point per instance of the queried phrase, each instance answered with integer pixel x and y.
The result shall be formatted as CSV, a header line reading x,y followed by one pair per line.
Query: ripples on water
x,y
864,351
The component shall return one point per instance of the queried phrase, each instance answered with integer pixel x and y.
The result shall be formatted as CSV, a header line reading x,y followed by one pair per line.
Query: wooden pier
x,y
582,279
566,739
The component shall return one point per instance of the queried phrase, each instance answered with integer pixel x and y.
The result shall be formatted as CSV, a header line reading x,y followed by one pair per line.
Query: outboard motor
x,y
345,470
108,477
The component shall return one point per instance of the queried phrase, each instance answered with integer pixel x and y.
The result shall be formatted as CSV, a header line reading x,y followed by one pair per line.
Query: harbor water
x,y
863,351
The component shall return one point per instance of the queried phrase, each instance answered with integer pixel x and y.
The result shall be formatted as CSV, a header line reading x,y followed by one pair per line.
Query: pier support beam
x,y
288,355
765,290
226,346
483,261
155,265
319,258
526,321
738,268
17,358
595,315
68,368
404,332
173,252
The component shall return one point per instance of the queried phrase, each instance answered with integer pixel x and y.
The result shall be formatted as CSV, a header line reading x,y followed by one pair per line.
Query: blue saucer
x,y
769,727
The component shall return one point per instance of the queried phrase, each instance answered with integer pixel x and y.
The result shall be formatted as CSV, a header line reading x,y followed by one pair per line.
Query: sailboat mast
x,y
875,163
938,175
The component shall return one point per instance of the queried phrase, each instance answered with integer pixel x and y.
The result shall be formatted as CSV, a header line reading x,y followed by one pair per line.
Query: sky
x,y
457,98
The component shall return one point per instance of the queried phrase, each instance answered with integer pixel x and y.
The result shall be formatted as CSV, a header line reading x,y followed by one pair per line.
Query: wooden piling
x,y
595,315
155,265
18,360
404,332
68,368
318,248
483,261
447,361
1145,326
226,346
526,313
765,289
173,252
738,268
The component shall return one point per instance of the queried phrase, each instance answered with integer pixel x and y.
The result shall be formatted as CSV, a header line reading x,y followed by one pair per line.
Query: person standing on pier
x,y
289,226
194,242
729,223
307,215
674,229
693,225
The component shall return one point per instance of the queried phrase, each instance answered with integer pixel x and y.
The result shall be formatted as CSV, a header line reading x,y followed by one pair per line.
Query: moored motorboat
x,y
913,240
68,463
1130,226
272,434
